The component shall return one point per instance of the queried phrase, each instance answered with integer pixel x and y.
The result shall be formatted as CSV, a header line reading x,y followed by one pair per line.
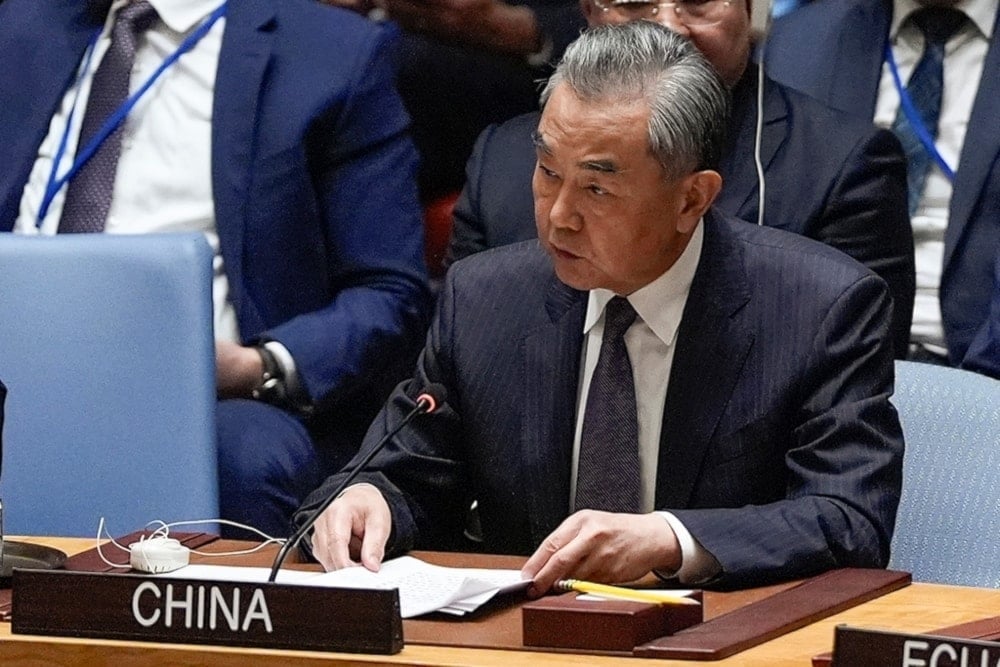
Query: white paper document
x,y
423,588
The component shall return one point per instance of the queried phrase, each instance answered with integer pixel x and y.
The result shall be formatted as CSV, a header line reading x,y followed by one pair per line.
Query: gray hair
x,y
641,60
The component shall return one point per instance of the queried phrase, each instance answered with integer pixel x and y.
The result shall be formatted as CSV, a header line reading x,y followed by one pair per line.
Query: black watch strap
x,y
271,388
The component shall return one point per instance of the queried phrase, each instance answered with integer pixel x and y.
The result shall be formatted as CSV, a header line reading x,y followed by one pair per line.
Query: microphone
x,y
429,400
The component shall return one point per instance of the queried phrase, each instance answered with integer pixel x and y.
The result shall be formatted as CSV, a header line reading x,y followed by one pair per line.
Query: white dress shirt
x,y
164,177
651,344
963,68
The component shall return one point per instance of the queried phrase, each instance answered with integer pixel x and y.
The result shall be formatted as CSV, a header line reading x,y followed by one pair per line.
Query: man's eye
x,y
597,189
545,170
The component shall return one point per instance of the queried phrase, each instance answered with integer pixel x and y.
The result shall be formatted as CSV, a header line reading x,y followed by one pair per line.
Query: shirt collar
x,y
178,15
982,13
660,304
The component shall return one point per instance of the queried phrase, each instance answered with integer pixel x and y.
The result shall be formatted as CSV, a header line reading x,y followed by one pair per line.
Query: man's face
x,y
725,44
605,210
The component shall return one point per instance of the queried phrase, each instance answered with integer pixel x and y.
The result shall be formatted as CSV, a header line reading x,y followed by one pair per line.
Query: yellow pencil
x,y
619,593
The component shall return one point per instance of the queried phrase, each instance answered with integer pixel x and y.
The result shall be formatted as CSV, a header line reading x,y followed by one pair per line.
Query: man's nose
x,y
564,213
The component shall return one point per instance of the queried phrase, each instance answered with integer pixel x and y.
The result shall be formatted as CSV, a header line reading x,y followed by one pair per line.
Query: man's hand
x,y
354,528
603,547
488,24
237,369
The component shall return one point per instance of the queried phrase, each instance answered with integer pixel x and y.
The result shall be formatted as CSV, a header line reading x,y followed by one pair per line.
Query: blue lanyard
x,y
912,115
55,184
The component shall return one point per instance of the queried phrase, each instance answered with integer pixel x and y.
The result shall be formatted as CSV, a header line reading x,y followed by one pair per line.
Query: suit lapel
x,y
857,68
32,97
551,362
980,149
243,60
740,189
711,351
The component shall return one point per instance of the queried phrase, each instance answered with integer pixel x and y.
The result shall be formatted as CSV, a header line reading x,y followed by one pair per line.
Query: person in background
x,y
273,128
651,385
463,65
943,58
828,175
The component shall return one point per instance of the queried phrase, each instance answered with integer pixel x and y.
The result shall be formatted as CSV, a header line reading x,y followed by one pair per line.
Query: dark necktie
x,y
938,24
88,196
608,472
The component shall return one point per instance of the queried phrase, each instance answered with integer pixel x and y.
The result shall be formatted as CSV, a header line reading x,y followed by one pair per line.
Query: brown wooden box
x,y
608,625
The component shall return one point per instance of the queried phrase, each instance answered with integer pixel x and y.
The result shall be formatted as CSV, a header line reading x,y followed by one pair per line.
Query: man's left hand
x,y
237,369
603,547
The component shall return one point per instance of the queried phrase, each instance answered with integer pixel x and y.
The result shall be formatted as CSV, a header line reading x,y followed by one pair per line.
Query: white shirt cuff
x,y
697,564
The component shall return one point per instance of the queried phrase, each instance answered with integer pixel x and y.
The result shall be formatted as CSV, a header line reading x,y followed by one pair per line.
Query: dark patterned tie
x,y
88,196
608,473
924,88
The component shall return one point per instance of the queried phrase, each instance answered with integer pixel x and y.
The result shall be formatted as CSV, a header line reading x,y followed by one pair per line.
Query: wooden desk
x,y
919,607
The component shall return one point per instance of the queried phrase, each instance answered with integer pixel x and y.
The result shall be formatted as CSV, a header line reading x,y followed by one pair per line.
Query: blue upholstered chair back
x,y
948,527
107,351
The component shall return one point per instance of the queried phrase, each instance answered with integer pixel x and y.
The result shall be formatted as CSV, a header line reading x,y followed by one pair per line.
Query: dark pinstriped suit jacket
x,y
780,449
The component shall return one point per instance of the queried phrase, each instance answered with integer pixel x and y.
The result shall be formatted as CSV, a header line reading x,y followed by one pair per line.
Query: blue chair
x,y
107,351
949,513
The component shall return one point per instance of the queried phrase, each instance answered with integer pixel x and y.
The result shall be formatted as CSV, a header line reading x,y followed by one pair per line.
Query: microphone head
x,y
433,396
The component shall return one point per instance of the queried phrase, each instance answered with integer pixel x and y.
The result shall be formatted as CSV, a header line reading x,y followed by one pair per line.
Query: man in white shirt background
x,y
864,56
272,127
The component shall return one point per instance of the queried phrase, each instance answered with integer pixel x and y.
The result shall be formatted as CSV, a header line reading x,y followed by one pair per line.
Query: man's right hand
x,y
353,530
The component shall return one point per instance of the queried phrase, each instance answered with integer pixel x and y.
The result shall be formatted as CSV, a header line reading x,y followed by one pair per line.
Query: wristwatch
x,y
271,388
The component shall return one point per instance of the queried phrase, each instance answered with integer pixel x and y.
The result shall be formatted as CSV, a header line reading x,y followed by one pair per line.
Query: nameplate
x,y
854,647
189,611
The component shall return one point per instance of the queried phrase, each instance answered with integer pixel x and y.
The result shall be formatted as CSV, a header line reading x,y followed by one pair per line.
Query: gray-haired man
x,y
652,386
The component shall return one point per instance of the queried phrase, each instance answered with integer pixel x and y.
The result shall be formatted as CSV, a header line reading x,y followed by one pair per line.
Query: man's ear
x,y
588,9
699,191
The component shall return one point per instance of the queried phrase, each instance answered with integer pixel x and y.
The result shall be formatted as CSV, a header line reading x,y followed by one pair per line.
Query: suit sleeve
x,y
983,355
844,462
468,231
362,165
424,461
867,207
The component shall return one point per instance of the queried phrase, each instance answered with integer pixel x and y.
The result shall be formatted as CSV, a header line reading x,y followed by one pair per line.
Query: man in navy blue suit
x,y
738,377
829,176
278,135
843,52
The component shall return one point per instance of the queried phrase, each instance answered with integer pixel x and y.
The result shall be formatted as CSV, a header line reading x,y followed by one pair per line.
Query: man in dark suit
x,y
828,176
836,50
280,136
649,353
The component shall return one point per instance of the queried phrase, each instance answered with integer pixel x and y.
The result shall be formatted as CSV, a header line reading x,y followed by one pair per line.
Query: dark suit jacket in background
x,y
833,50
311,174
780,450
452,92
828,176
3,397
984,351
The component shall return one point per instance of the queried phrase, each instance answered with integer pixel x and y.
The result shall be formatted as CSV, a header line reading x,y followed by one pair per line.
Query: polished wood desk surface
x,y
916,608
